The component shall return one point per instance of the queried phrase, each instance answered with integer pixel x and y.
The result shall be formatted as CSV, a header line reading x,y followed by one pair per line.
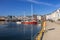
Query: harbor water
x,y
14,31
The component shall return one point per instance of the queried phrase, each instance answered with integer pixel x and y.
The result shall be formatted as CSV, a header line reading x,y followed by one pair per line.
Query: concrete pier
x,y
52,31
43,26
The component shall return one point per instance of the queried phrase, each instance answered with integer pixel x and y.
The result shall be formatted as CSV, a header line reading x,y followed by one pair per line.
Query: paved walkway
x,y
52,31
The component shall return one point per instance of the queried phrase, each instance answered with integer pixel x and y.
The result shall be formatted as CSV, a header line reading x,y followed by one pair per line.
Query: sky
x,y
21,7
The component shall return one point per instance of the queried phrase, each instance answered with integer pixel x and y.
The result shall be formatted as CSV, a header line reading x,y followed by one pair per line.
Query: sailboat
x,y
18,22
32,21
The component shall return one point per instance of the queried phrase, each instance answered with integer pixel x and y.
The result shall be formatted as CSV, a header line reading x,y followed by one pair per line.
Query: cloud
x,y
43,3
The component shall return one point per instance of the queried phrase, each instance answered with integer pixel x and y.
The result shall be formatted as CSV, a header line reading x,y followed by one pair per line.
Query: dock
x,y
52,31
40,34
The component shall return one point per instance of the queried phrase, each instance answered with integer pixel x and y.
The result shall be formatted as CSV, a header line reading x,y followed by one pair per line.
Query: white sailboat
x,y
18,22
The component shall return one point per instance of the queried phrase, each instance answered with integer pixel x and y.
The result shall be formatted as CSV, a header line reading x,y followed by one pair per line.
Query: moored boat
x,y
32,21
29,22
18,22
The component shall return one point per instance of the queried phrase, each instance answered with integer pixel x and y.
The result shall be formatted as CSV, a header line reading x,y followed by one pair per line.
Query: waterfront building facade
x,y
54,15
39,17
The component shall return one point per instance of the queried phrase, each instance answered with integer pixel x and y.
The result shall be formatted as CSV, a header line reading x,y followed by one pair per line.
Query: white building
x,y
39,17
54,16
48,17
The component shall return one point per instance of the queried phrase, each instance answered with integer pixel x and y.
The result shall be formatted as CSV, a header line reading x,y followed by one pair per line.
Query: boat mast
x,y
32,19
32,11
24,15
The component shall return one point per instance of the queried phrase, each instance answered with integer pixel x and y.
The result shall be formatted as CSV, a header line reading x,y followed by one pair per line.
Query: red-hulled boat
x,y
33,20
29,22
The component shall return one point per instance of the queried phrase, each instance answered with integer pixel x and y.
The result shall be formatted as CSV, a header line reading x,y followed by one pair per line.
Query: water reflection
x,y
13,31
2,22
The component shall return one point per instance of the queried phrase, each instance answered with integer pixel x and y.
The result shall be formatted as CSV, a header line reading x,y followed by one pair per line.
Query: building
x,y
2,18
39,17
54,15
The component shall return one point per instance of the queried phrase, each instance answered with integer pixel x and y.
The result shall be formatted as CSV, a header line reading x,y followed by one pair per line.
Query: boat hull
x,y
18,22
29,22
